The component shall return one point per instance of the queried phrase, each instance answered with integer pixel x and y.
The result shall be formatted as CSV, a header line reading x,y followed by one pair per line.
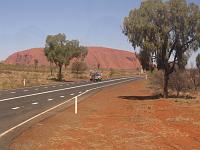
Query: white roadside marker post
x,y
76,104
24,82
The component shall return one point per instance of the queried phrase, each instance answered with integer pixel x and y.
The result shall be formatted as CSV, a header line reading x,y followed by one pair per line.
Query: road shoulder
x,y
121,117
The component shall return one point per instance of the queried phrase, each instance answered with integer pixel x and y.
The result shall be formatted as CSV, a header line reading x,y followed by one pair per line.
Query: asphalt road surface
x,y
19,106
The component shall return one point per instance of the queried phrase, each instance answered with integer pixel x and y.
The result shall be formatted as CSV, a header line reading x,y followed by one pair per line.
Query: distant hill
x,y
106,57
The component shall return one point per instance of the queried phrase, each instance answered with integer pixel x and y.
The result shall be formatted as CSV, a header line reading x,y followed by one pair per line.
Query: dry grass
x,y
12,76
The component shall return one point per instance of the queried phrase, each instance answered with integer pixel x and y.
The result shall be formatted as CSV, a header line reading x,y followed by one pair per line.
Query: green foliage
x,y
167,30
60,51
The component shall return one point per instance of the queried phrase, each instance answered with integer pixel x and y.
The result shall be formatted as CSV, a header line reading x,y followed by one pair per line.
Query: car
x,y
95,76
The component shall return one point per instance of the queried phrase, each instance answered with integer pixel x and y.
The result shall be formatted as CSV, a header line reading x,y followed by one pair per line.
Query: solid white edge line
x,y
13,128
7,99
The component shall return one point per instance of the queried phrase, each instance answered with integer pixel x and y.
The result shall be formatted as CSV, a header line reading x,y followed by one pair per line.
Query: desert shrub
x,y
177,81
112,72
78,68
156,81
193,78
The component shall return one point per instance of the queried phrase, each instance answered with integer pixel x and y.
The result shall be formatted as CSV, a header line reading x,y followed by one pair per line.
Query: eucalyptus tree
x,y
167,30
60,51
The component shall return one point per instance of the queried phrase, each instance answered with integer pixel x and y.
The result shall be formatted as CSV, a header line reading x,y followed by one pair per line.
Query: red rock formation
x,y
105,57
27,57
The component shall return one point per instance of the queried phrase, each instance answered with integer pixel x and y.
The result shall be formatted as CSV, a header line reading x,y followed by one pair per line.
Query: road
x,y
19,106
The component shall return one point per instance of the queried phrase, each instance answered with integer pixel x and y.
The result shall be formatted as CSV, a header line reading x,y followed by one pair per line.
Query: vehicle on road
x,y
95,76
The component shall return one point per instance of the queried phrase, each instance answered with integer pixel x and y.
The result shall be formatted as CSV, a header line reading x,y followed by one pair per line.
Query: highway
x,y
19,106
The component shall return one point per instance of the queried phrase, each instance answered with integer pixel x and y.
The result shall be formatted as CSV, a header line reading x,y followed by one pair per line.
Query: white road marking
x,y
50,99
12,92
35,103
44,112
25,90
36,89
72,94
62,96
7,99
54,86
14,108
80,92
45,87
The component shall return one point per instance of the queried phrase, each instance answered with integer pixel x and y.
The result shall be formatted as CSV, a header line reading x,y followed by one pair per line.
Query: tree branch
x,y
188,42
174,62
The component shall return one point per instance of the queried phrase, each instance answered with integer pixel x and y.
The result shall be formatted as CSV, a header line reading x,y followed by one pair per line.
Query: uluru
x,y
105,57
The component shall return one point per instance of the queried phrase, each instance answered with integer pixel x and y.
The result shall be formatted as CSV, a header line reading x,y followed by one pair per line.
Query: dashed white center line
x,y
60,85
72,94
45,87
80,92
25,90
62,96
14,108
35,103
50,99
12,92
36,89
54,86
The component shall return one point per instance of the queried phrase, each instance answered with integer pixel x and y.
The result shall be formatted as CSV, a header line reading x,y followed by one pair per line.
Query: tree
x,y
49,54
167,30
60,51
36,63
98,65
78,67
198,62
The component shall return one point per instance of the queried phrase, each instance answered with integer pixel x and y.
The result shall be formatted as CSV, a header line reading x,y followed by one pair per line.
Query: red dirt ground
x,y
124,117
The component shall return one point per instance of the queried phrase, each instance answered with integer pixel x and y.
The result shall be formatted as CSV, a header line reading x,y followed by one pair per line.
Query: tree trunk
x,y
51,69
60,73
177,93
165,84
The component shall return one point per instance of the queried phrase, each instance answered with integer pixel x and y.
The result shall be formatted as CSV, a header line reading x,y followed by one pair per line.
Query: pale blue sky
x,y
26,23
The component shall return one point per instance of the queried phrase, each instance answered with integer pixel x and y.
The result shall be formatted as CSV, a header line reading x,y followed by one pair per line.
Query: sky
x,y
25,24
